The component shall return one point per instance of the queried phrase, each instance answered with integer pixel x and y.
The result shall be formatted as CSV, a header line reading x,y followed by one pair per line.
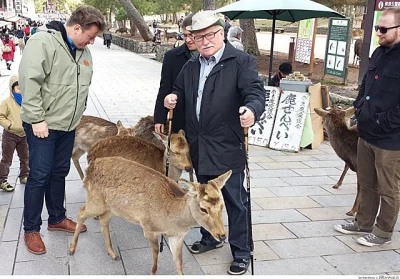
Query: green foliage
x,y
121,14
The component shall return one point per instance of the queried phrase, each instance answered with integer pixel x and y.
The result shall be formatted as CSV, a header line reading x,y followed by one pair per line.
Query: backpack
x,y
7,48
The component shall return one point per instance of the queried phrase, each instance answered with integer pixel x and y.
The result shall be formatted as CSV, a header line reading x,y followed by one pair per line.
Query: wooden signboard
x,y
289,122
260,133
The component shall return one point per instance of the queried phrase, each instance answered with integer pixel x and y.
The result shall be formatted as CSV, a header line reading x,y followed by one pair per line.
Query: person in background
x,y
8,51
234,36
226,27
173,62
154,27
285,69
14,137
107,37
34,28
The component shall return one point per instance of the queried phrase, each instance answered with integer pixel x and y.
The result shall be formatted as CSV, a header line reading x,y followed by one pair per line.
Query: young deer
x,y
344,141
147,153
170,35
90,130
152,200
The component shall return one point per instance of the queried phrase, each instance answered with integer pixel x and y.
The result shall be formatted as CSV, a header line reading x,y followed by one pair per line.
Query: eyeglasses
x,y
187,36
384,30
208,36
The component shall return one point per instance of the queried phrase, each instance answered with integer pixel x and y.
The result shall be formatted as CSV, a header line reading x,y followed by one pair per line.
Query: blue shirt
x,y
71,44
205,69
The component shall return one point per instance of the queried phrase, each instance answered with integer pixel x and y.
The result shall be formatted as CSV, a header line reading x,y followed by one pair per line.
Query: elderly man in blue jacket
x,y
378,153
221,94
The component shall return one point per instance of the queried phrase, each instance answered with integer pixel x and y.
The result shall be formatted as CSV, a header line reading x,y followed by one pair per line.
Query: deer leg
x,y
105,228
76,154
191,176
82,216
356,205
339,183
153,240
175,244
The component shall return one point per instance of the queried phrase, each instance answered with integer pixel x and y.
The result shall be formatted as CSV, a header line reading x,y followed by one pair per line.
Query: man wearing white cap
x,y
221,93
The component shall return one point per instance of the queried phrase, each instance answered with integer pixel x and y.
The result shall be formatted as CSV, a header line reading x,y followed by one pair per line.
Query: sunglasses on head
x,y
384,30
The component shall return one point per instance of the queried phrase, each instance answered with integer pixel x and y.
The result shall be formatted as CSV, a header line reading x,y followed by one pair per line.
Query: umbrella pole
x,y
271,54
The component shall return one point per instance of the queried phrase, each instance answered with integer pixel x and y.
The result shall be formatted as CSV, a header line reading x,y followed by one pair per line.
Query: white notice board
x,y
289,122
260,133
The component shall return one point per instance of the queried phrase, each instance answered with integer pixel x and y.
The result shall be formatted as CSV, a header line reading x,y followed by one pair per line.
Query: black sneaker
x,y
239,267
351,228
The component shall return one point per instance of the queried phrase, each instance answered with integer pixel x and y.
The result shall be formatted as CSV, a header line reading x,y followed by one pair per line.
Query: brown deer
x,y
150,199
92,129
21,45
344,141
170,35
147,153
357,51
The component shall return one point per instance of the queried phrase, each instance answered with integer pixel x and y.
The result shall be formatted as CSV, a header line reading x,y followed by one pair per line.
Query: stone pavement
x,y
294,205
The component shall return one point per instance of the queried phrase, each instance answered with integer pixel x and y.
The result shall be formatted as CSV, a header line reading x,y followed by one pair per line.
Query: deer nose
x,y
221,237
188,169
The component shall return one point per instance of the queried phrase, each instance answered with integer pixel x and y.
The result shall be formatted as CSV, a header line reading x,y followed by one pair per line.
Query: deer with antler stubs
x,y
152,200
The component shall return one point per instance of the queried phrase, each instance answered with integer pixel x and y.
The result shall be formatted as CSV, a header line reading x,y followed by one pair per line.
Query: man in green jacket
x,y
55,74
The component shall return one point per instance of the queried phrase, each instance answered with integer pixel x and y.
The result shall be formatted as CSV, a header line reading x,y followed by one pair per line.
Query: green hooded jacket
x,y
54,84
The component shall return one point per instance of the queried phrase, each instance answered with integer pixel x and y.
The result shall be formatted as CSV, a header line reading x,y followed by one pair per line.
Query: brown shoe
x,y
67,226
34,243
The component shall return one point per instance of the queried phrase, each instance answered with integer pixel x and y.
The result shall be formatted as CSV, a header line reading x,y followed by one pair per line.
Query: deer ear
x,y
182,133
162,138
349,112
221,180
321,112
190,187
119,124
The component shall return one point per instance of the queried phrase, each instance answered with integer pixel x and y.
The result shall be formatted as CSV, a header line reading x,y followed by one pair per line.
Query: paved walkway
x,y
294,205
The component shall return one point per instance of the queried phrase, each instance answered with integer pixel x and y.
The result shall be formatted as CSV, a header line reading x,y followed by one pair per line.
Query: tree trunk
x,y
249,37
137,19
133,28
208,5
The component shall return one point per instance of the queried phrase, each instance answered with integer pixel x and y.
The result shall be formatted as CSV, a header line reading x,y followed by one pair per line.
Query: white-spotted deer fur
x,y
344,141
90,130
119,187
147,153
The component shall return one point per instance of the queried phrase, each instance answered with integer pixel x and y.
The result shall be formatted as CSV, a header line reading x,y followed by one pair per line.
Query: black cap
x,y
285,68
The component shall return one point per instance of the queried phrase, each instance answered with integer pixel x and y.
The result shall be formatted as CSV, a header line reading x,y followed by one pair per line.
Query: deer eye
x,y
203,210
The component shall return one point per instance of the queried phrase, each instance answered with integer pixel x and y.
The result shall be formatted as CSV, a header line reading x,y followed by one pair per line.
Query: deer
x,y
344,141
92,129
21,45
155,202
170,35
357,51
147,153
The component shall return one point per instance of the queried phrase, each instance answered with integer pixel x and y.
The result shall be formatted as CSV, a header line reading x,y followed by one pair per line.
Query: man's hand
x,y
159,128
170,101
246,118
40,130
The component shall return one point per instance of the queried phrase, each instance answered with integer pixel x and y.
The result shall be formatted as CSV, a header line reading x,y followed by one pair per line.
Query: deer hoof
x,y
115,257
336,186
71,251
350,213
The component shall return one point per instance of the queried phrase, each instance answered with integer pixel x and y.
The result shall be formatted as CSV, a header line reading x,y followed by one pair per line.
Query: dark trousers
x,y
235,198
9,144
108,43
50,162
378,173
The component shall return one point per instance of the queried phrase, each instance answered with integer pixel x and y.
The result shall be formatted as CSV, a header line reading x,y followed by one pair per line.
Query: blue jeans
x,y
49,160
235,198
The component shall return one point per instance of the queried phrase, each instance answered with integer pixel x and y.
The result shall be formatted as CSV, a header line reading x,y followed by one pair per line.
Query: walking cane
x,y
170,116
246,145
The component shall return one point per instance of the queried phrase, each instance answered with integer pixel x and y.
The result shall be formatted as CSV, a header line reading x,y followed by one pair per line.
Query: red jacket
x,y
9,55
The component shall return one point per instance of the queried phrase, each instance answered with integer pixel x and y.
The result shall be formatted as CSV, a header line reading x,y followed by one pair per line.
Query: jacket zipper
x,y
77,90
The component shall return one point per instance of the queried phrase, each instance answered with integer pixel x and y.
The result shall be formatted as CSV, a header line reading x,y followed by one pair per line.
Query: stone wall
x,y
140,47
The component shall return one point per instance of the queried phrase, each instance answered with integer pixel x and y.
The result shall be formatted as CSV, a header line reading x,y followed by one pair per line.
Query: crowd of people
x,y
210,68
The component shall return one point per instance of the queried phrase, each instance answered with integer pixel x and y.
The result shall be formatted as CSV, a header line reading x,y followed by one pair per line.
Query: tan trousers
x,y
378,173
